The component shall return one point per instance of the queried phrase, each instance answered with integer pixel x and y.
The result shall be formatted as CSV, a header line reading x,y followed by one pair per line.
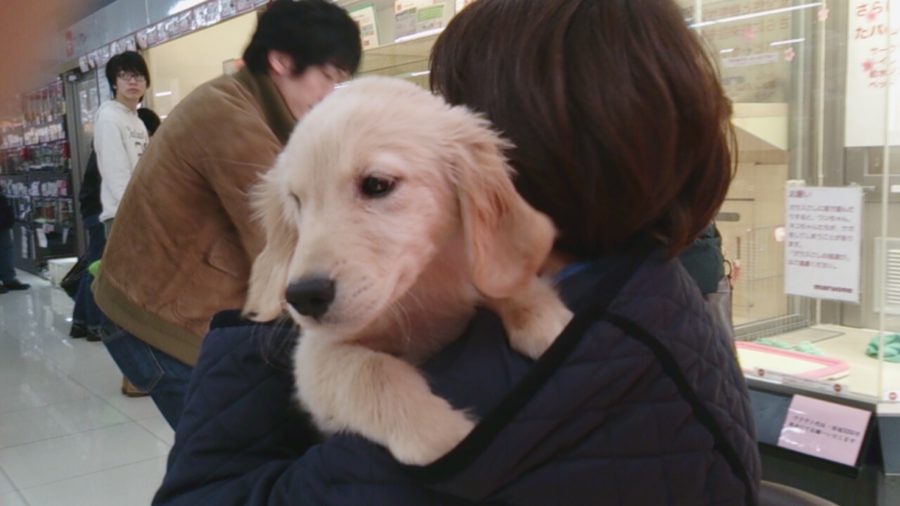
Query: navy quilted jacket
x,y
641,404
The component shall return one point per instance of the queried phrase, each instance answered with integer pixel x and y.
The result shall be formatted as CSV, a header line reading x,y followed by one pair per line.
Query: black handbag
x,y
72,279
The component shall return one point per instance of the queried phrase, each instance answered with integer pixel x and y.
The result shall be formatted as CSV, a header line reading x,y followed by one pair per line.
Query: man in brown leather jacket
x,y
184,239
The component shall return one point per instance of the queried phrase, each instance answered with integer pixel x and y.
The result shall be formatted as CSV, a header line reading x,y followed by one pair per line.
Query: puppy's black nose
x,y
311,296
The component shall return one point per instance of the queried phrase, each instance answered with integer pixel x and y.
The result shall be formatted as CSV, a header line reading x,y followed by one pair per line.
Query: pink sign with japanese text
x,y
824,429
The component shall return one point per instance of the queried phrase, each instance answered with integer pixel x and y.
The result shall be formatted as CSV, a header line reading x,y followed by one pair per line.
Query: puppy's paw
x,y
539,330
262,307
425,444
534,318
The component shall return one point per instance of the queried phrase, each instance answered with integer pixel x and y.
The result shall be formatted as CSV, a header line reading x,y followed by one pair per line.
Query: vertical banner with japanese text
x,y
871,73
823,230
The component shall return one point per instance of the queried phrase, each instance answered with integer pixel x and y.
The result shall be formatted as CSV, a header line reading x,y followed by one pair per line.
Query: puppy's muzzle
x,y
311,296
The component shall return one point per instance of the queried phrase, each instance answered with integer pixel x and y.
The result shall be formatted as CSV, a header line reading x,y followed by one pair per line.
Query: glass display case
x,y
811,222
814,107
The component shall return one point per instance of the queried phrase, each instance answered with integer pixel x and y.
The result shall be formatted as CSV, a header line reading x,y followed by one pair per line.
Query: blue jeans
x,y
7,256
86,311
151,371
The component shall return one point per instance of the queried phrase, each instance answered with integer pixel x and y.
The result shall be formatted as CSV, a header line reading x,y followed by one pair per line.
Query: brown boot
x,y
129,390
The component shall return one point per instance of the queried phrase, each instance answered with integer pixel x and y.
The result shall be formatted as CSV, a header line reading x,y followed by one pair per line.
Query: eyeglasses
x,y
334,74
131,76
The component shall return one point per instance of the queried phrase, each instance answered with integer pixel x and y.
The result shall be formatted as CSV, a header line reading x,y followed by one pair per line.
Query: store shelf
x,y
33,145
36,178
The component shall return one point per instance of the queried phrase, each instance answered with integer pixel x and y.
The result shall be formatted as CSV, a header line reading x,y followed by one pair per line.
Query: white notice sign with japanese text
x,y
823,229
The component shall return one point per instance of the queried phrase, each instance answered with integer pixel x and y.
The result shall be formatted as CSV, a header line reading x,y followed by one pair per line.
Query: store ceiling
x,y
96,5
78,9
84,9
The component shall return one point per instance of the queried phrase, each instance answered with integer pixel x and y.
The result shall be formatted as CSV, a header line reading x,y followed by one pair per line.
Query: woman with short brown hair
x,y
619,122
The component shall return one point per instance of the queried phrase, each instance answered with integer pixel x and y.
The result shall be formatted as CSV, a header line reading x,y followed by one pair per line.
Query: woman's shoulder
x,y
605,377
236,375
255,343
664,298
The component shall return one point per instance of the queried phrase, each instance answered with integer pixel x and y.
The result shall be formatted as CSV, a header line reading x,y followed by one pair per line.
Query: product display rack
x,y
35,175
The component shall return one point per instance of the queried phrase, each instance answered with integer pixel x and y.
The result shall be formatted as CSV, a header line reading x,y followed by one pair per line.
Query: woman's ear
x,y
507,240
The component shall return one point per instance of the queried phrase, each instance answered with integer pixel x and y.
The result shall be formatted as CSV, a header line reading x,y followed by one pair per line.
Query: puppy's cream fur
x,y
409,266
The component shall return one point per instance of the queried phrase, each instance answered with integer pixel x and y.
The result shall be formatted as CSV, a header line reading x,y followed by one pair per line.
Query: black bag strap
x,y
701,412
595,311
487,429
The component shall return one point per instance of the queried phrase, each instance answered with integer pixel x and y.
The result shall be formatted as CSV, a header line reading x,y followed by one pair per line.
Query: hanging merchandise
x,y
207,14
243,5
170,27
184,23
103,56
141,38
227,8
213,13
162,33
152,36
129,43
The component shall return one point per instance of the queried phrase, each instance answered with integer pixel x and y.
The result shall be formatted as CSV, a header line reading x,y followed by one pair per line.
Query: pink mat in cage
x,y
754,356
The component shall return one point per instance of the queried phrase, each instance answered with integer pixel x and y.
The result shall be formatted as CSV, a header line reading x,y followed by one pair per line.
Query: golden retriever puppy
x,y
389,217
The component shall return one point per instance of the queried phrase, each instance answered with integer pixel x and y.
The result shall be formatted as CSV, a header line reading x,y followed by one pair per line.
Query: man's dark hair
x,y
151,119
312,32
129,61
619,122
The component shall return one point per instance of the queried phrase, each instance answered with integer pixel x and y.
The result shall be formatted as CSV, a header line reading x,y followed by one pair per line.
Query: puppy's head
x,y
378,184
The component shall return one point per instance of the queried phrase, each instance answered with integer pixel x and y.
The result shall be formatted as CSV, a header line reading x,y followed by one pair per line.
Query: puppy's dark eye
x,y
376,187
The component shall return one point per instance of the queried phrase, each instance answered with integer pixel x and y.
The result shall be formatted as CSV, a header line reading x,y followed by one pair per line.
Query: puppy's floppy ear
x,y
507,239
268,279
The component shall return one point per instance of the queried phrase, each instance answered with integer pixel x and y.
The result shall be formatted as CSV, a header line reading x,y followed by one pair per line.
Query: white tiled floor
x,y
67,435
